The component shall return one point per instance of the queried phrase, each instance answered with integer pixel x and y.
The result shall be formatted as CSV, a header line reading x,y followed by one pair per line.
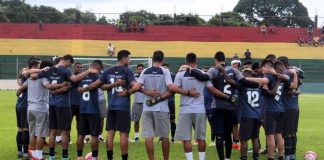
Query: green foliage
x,y
138,16
228,19
277,12
189,20
102,20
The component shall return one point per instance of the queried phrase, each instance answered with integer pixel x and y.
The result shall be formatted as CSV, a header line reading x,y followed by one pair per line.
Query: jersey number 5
x,y
86,95
278,93
253,98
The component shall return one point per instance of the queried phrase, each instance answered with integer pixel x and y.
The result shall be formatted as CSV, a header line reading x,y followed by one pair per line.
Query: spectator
x,y
236,63
310,30
301,41
247,54
263,30
40,26
142,25
272,29
316,41
111,49
235,57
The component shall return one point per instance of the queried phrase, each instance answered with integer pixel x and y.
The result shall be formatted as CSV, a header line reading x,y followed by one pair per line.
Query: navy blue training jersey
x,y
89,100
208,99
74,94
22,98
249,102
111,75
219,83
289,101
58,76
274,103
172,98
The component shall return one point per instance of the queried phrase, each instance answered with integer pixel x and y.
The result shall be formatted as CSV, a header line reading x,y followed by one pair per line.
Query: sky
x,y
200,7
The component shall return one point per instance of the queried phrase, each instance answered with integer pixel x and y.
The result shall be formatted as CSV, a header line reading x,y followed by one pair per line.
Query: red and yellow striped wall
x,y
175,41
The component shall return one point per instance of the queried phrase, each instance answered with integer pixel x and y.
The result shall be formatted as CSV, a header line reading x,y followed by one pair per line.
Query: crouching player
x,y
90,117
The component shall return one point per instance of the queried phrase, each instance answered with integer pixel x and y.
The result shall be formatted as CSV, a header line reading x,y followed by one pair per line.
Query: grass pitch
x,y
310,134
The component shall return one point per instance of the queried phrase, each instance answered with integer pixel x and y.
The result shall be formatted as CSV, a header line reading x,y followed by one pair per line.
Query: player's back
x,y
89,100
249,102
156,78
38,98
273,103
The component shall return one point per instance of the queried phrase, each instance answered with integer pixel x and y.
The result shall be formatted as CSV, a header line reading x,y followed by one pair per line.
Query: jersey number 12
x,y
253,98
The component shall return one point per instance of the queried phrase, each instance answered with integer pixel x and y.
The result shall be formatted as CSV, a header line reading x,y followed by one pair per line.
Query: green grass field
x,y
310,135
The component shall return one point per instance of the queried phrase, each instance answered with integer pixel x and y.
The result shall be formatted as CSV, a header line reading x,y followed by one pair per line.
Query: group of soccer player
x,y
266,94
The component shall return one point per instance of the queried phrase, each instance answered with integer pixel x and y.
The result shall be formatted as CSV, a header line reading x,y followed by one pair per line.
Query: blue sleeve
x,y
103,77
42,74
68,73
130,76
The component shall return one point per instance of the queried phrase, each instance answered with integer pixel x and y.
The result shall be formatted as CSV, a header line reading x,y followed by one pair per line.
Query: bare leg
x,y
110,140
39,143
244,148
124,142
165,148
201,145
94,142
271,145
51,139
187,146
80,142
65,139
136,127
149,148
32,142
280,143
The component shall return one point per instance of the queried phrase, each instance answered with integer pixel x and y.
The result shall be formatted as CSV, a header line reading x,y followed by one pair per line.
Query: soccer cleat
x,y
87,139
159,140
130,140
101,139
236,146
20,155
212,144
51,158
250,150
137,140
65,158
264,152
172,140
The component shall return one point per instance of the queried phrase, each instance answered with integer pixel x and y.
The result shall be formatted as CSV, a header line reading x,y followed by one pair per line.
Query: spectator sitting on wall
x,y
235,57
263,29
111,49
248,54
316,41
142,25
310,30
40,26
272,29
301,41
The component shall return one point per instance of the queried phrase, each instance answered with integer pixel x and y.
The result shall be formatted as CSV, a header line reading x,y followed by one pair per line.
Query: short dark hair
x,y
77,63
123,54
267,62
255,65
284,60
33,63
68,57
97,62
46,63
57,60
140,65
33,58
165,65
191,58
271,57
206,68
278,64
158,56
247,73
220,56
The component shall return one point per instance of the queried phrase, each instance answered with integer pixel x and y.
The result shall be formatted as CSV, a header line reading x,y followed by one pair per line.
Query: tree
x,y
164,19
228,19
48,14
88,17
189,19
277,12
138,16
102,20
17,11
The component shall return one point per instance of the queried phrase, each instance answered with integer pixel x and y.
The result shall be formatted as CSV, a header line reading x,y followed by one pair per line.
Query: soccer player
x,y
75,96
171,105
60,106
37,109
274,108
291,115
103,108
117,80
137,108
192,114
90,117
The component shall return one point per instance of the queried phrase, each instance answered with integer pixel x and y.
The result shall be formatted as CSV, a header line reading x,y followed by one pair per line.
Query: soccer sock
x,y
136,135
79,153
124,156
280,158
220,146
39,154
110,154
189,156
65,153
52,151
294,145
19,141
270,158
202,155
213,136
288,144
173,129
94,153
25,141
228,145
243,158
255,156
